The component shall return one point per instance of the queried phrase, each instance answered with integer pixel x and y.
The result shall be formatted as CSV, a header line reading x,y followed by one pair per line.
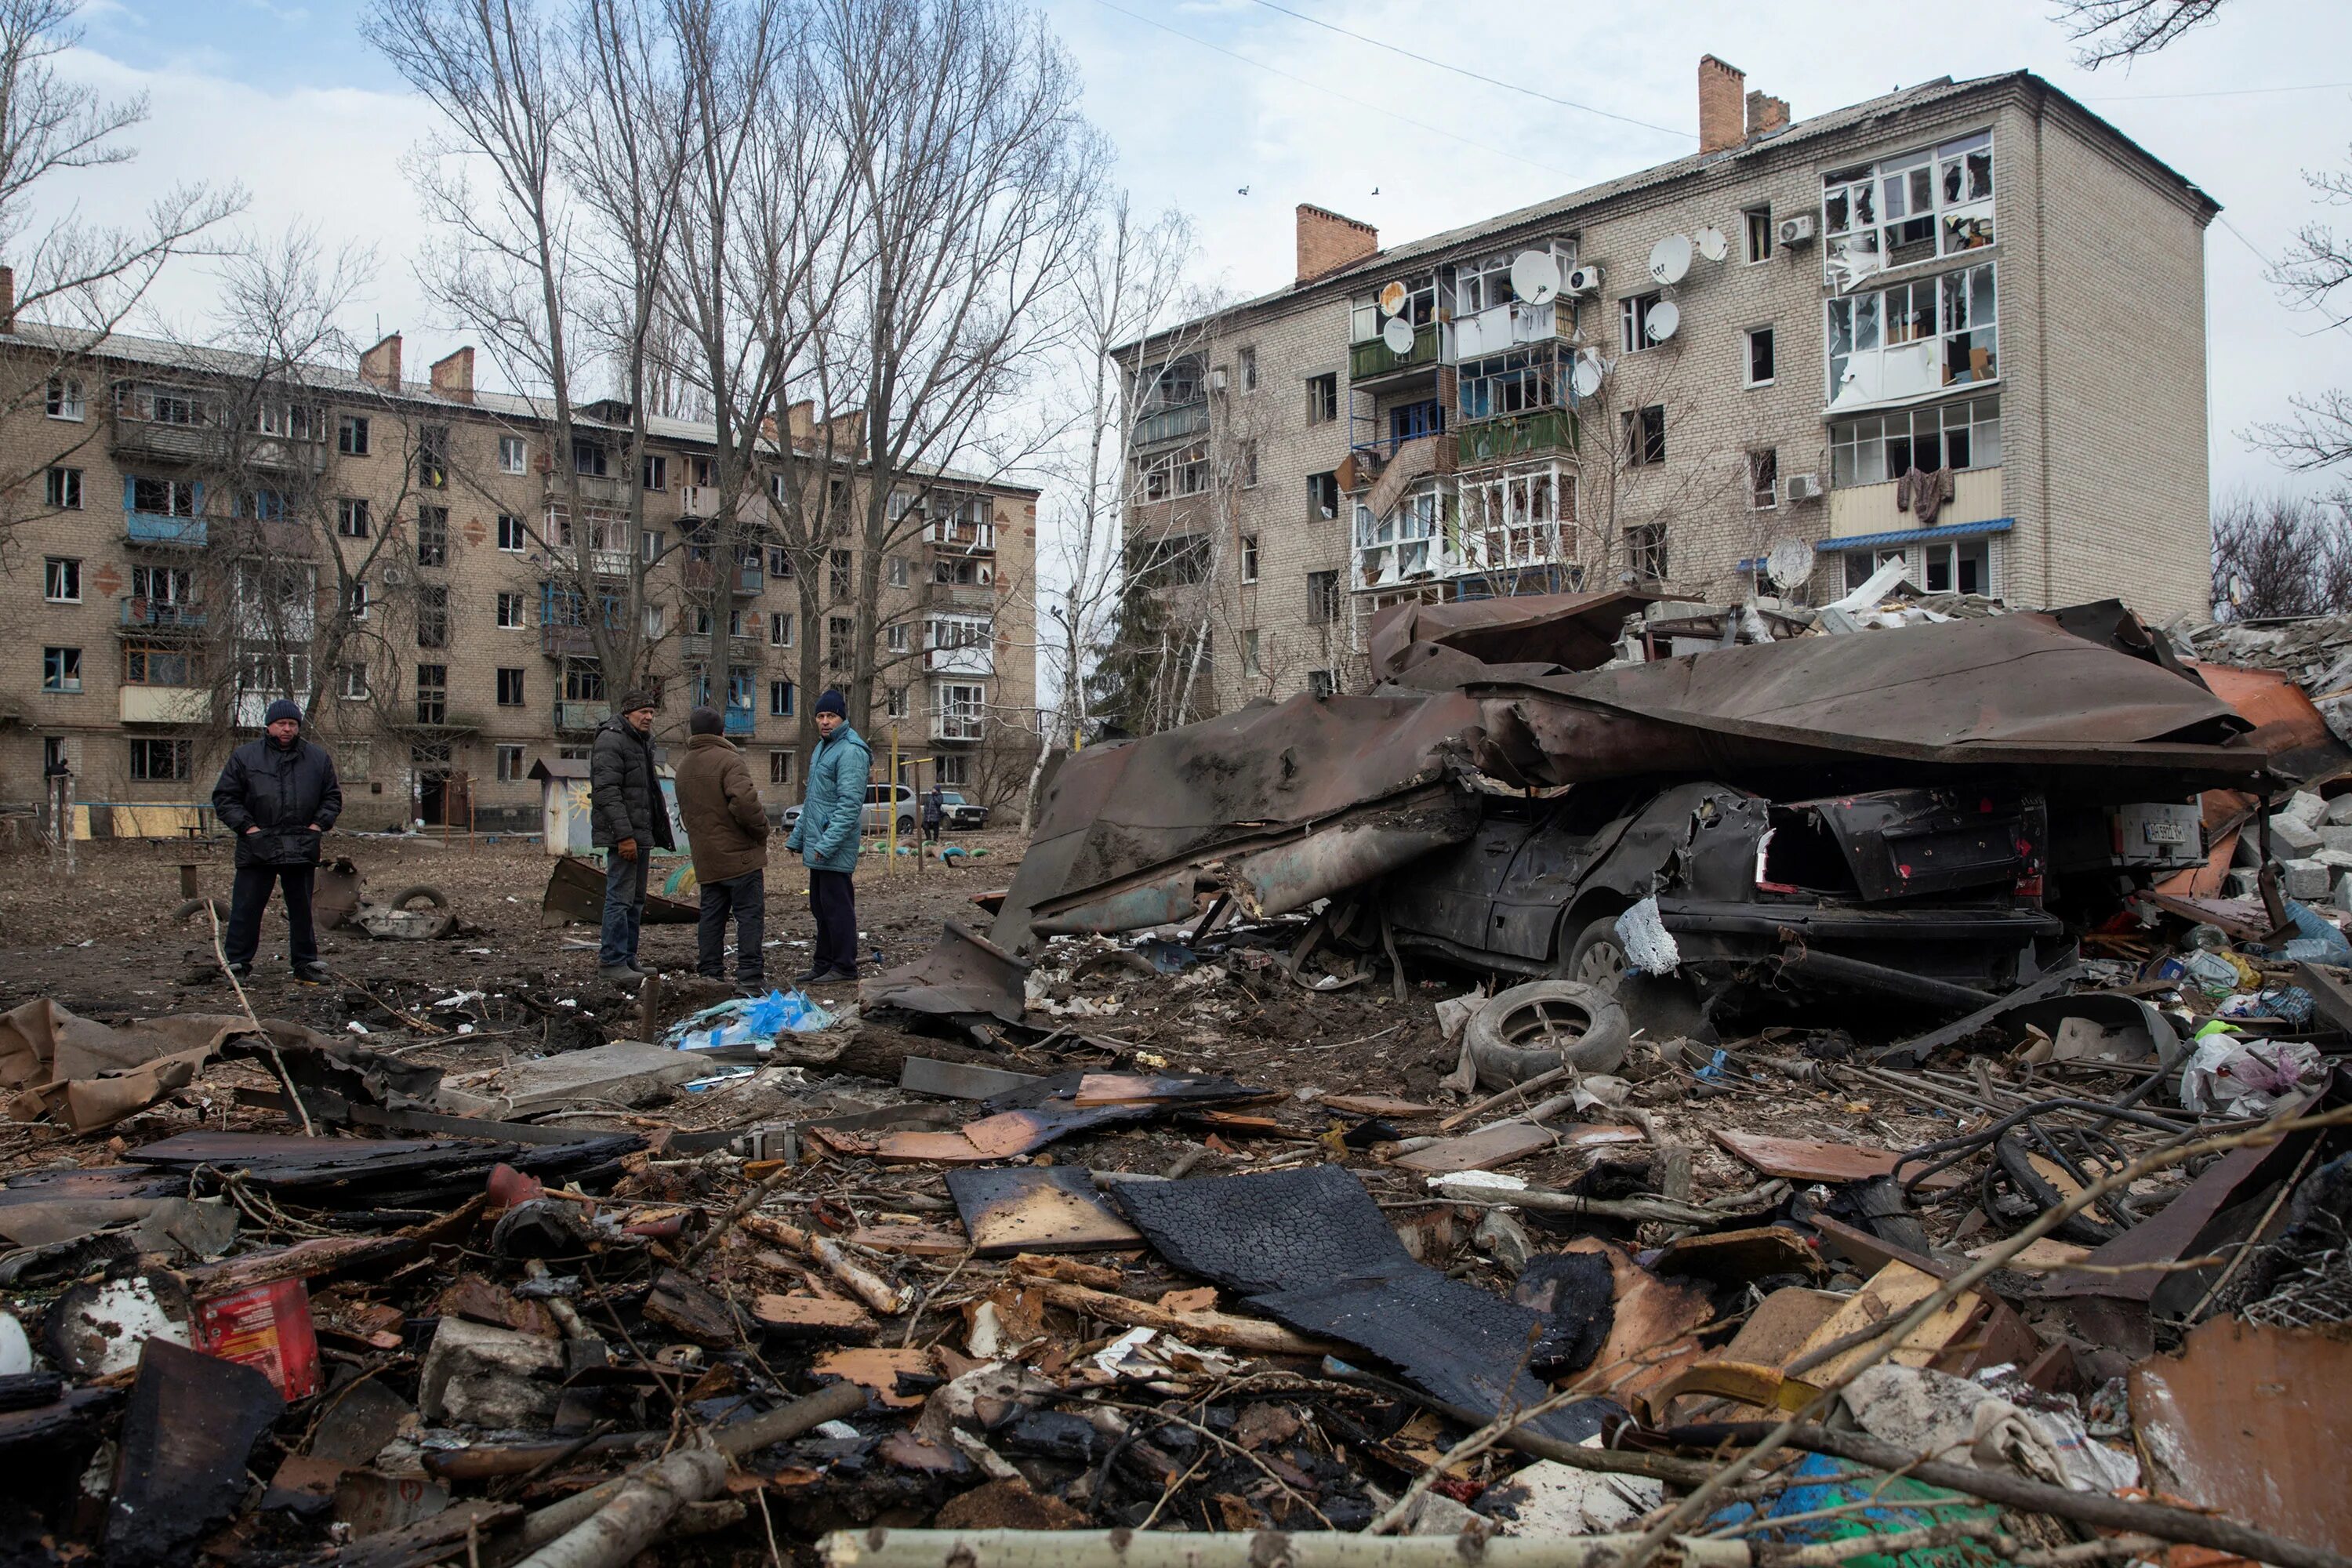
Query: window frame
x,y
351,435
1249,558
1759,239
353,518
61,579
1647,451
433,536
1764,479
782,698
511,527
1860,447
62,487
509,759
1633,320
61,669
1959,218
351,682
1323,398
511,678
180,752
1750,337
64,399
514,454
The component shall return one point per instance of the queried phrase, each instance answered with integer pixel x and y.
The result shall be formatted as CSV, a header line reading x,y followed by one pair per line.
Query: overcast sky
x,y
1206,97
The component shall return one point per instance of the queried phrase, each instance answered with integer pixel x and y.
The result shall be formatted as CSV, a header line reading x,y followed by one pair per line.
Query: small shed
x,y
564,823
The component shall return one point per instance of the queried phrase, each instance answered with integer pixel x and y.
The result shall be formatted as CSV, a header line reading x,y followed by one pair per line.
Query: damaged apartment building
x,y
1961,325
196,534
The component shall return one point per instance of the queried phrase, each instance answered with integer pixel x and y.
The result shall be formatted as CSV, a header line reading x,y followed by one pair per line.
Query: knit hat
x,y
632,700
284,708
831,702
705,721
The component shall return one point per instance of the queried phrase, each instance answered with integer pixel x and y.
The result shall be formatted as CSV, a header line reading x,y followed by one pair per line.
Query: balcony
x,y
153,441
156,531
1373,360
971,660
160,615
1857,511
745,650
578,717
165,705
740,720
1176,423
1511,325
595,490
980,597
566,642
1510,436
704,575
957,536
956,725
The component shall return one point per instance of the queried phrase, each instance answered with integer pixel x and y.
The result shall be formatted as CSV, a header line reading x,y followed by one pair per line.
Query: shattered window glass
x,y
1908,209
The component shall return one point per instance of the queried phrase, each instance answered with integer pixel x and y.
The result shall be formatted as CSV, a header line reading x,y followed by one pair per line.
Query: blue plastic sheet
x,y
752,1021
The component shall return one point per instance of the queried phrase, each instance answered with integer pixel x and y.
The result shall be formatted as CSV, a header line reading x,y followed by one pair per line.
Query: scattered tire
x,y
1546,1024
196,906
1597,956
431,895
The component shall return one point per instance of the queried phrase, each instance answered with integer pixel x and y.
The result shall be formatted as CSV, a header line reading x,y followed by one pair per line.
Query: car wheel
x,y
906,827
1533,1028
1597,956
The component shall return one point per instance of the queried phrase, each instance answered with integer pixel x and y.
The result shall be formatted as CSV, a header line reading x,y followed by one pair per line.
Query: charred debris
x,y
1865,1090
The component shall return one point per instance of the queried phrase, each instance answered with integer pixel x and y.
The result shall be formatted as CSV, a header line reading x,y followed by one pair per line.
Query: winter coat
x,y
725,827
624,798
283,790
935,809
833,810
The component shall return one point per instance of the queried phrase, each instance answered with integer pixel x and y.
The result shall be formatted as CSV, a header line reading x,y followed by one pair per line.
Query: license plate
x,y
2165,833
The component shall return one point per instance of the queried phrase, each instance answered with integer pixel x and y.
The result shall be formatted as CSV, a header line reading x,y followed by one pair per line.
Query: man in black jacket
x,y
279,796
628,819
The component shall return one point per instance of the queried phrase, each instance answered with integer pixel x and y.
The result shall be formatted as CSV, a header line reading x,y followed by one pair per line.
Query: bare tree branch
x,y
2128,30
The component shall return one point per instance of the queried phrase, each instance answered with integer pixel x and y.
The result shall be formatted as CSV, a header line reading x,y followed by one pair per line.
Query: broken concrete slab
x,y
477,1373
623,1073
2304,879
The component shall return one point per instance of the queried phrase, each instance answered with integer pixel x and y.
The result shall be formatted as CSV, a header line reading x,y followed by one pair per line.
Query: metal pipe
x,y
1853,971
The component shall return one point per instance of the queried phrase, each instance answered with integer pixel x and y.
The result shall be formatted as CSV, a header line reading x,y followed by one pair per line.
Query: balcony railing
x,y
1171,424
1515,436
148,528
1366,361
740,720
165,705
955,724
152,440
578,717
960,595
972,659
160,615
566,642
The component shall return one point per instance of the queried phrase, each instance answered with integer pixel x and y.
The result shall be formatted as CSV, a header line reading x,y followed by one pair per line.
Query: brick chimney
x,y
800,418
1765,113
8,299
379,366
1719,119
454,377
1327,241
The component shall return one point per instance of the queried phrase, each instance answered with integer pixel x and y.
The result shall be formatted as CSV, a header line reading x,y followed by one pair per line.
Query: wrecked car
x,y
1931,893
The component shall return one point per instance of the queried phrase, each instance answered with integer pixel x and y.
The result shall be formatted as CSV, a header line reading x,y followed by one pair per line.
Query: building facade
x,y
1961,325
194,534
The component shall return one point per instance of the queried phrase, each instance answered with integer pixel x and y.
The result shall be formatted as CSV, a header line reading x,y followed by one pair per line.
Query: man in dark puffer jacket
x,y
279,796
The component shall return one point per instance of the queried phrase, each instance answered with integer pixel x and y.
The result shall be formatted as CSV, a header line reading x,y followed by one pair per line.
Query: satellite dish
x,y
1664,317
1790,561
1393,300
1398,335
1711,244
1586,378
1670,258
1534,277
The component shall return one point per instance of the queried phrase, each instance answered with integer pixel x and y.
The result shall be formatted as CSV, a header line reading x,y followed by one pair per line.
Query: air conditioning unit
x,y
1802,487
1217,379
1585,279
1798,230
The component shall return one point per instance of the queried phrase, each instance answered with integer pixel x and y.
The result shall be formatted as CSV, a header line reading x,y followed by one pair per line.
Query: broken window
x,y
1960,566
1319,682
433,457
1758,224
1404,543
584,680
1368,318
432,615
510,764
1633,320
1511,383
1521,517
433,536
1646,550
1322,597
1173,386
165,498
149,665
1170,561
1763,479
1914,338
1759,356
1249,653
510,686
839,564
1323,398
1323,494
432,693
1872,450
1482,285
156,762
1246,357
780,767
1908,209
1183,471
1645,435
840,635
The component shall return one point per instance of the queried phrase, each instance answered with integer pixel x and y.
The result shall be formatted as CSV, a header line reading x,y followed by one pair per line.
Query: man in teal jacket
x,y
827,835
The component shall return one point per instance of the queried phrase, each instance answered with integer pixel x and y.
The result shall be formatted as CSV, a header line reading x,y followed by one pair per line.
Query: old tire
x,y
431,895
195,906
1596,957
906,827
1536,1028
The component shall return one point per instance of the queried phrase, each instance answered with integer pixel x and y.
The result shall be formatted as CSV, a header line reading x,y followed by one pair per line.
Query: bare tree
x,y
2129,30
2281,554
1127,278
80,280
974,176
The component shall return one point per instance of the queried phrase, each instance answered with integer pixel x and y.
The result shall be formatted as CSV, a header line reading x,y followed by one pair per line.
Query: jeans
x,y
746,897
833,900
249,896
624,909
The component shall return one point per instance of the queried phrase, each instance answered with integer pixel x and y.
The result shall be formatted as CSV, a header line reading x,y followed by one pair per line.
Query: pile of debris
x,y
1790,1103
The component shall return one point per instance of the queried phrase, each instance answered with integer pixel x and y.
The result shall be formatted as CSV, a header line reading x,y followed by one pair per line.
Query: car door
x,y
1449,895
1537,885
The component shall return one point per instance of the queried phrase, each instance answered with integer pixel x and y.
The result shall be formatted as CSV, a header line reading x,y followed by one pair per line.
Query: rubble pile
x,y
1841,1097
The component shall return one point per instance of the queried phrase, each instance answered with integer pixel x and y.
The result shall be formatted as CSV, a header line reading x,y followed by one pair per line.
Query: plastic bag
x,y
2228,1072
1649,945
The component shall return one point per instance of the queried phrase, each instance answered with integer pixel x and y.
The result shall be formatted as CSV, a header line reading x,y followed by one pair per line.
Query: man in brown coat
x,y
728,833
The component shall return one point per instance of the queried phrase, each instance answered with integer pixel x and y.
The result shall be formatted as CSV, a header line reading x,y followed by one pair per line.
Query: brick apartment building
x,y
1755,346
155,609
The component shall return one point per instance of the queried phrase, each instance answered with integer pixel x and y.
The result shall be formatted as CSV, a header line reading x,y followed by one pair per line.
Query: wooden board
x,y
1481,1150
878,1370
1036,1208
1810,1160
800,1317
917,1241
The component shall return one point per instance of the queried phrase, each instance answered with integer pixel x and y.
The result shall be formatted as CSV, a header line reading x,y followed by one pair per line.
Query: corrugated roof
x,y
1940,89
132,349
1917,535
